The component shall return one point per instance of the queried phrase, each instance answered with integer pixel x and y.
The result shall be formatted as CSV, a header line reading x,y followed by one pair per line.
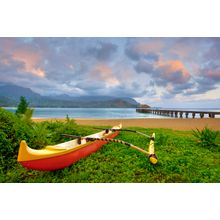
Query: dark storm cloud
x,y
136,54
208,79
214,50
172,72
211,71
147,59
180,88
202,85
144,67
151,56
132,53
174,77
102,51
147,48
201,88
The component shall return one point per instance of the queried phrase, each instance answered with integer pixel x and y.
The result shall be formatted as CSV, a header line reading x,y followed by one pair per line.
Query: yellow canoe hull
x,y
61,155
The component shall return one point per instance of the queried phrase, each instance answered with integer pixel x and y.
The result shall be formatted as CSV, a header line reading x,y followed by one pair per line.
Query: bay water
x,y
97,113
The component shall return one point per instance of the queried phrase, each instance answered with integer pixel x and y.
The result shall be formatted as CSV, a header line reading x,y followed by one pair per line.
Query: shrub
x,y
58,128
206,137
40,136
12,130
28,114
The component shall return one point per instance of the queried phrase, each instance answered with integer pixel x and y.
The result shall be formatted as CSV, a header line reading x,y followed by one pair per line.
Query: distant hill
x,y
10,95
15,92
144,106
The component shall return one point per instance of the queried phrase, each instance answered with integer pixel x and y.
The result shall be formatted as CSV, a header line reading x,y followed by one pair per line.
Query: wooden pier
x,y
177,113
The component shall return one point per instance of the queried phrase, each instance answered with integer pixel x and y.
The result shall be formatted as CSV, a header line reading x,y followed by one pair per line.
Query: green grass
x,y
181,158
206,137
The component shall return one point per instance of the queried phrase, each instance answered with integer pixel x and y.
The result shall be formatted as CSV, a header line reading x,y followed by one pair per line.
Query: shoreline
x,y
174,123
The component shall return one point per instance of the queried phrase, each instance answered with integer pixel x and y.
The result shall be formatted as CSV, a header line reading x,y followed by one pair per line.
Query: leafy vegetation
x,y
206,137
181,157
22,106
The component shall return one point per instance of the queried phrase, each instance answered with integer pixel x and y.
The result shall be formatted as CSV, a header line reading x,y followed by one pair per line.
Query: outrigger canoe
x,y
63,155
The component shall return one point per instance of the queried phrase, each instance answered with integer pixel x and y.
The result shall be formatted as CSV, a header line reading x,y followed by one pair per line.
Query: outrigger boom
x,y
150,153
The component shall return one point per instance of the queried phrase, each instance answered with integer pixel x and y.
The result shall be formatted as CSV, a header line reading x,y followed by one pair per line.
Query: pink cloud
x,y
141,48
8,44
5,61
31,60
154,45
183,51
28,56
213,73
174,70
104,73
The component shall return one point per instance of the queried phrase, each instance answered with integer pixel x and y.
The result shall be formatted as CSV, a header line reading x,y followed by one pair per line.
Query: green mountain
x,y
10,95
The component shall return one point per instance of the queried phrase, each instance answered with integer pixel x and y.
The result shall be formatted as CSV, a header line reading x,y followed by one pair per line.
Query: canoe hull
x,y
62,161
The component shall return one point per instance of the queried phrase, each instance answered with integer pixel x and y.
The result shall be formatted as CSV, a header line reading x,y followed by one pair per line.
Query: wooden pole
x,y
150,153
119,141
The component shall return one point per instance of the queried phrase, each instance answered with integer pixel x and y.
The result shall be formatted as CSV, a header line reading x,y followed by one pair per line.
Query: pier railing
x,y
177,113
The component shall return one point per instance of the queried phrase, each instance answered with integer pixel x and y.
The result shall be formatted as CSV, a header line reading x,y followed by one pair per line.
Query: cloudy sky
x,y
165,72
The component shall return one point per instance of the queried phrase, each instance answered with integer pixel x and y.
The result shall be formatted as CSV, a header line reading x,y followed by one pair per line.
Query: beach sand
x,y
174,123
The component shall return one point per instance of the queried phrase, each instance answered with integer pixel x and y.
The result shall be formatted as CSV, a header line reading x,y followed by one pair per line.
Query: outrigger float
x,y
63,155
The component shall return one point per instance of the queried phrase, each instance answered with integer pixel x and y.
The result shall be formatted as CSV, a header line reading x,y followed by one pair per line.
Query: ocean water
x,y
88,113
98,113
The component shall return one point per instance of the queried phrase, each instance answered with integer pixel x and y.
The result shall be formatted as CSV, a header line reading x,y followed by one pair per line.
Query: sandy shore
x,y
176,124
